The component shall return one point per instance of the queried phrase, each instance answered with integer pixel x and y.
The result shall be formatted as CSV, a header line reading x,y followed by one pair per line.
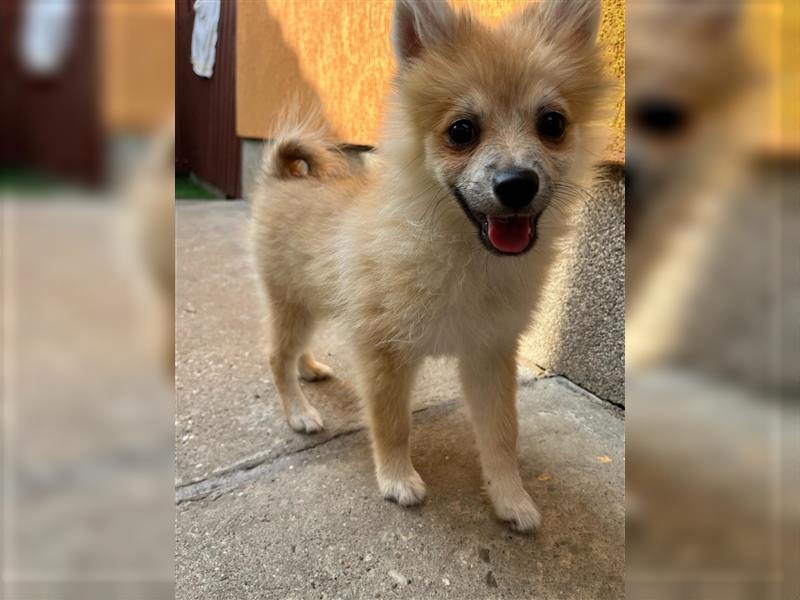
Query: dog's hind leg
x,y
291,329
311,370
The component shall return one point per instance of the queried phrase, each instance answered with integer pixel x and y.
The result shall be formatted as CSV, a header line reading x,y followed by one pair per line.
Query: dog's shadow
x,y
337,401
580,547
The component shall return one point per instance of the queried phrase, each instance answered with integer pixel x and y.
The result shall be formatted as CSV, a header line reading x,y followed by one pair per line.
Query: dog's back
x,y
306,182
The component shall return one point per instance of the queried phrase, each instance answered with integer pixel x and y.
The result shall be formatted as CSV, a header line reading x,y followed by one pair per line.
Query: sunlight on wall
x,y
137,63
340,53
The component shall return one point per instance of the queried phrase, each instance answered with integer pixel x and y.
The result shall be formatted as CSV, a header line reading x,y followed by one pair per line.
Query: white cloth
x,y
46,33
204,36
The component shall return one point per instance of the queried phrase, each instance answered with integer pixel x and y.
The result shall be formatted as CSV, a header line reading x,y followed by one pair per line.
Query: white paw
x,y
406,491
309,421
315,372
518,510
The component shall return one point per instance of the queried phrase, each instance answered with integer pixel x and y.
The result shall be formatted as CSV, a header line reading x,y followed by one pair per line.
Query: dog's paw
x,y
315,371
406,491
308,421
519,511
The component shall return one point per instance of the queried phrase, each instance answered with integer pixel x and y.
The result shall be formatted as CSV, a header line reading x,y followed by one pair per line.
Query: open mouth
x,y
508,235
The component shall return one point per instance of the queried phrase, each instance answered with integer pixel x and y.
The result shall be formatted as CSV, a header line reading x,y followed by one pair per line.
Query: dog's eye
x,y
662,118
462,132
552,125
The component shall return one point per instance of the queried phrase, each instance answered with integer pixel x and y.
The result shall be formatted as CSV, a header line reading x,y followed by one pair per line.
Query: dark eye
x,y
662,118
462,132
552,125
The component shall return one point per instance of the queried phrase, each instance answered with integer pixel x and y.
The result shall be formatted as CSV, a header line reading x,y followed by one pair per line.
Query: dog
x,y
441,246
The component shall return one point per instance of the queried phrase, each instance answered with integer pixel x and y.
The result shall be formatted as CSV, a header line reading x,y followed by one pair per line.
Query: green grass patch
x,y
188,189
28,181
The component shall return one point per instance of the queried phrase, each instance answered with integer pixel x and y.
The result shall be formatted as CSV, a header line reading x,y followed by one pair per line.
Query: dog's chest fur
x,y
478,306
429,302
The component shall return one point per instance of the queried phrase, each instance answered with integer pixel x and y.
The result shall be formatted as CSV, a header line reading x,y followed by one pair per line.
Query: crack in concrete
x,y
529,378
562,380
228,478
231,477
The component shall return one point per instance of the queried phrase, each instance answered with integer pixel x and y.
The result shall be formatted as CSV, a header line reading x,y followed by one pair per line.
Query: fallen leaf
x,y
544,477
604,459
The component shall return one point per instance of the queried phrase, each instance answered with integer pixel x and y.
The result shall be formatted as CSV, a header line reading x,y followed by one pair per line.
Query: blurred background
x,y
712,299
86,182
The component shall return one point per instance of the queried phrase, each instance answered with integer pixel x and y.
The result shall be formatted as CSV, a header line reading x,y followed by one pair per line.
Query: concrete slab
x,y
267,513
312,524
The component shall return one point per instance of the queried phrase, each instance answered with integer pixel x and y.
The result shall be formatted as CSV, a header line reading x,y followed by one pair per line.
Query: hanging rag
x,y
46,32
204,36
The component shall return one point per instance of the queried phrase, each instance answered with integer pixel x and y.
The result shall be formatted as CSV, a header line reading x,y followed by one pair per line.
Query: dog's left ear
x,y
418,25
571,22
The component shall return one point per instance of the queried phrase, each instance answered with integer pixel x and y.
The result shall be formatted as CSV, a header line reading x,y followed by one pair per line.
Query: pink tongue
x,y
510,234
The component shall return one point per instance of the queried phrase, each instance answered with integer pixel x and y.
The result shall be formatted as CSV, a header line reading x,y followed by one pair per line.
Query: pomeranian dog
x,y
441,245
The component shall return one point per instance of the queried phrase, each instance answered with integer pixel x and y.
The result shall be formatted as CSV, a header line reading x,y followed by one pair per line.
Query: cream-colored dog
x,y
441,246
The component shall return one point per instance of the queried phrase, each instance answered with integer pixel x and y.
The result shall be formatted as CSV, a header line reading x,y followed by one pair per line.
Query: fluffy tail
x,y
304,150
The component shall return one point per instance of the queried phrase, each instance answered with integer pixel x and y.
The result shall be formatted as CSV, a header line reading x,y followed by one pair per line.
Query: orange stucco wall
x,y
338,51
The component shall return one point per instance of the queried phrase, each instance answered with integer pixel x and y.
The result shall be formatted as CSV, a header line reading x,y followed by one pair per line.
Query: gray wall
x,y
579,331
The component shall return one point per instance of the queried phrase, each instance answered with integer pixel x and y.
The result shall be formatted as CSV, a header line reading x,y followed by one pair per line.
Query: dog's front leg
x,y
490,385
386,381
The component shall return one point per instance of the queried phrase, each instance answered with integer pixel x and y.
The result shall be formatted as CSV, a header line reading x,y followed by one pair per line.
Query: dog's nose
x,y
516,188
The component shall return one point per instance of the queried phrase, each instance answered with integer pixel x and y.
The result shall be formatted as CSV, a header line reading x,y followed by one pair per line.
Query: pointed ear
x,y
419,24
571,22
721,19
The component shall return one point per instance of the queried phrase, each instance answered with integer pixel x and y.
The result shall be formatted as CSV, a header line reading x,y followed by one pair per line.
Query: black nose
x,y
516,188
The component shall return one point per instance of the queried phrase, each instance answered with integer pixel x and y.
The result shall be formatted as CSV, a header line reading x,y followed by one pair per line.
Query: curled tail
x,y
304,151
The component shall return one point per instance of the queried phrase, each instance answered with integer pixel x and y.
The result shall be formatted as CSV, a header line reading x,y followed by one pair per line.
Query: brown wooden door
x,y
53,123
205,120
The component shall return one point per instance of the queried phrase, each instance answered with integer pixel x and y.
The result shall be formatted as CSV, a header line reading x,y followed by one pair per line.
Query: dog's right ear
x,y
573,23
419,24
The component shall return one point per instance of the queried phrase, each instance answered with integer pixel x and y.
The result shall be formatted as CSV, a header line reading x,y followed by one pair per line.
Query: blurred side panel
x,y
713,291
87,238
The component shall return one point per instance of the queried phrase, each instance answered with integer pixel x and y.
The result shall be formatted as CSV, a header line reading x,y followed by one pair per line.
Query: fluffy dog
x,y
441,246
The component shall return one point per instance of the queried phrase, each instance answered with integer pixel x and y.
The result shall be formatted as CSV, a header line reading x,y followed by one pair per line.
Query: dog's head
x,y
685,66
506,118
